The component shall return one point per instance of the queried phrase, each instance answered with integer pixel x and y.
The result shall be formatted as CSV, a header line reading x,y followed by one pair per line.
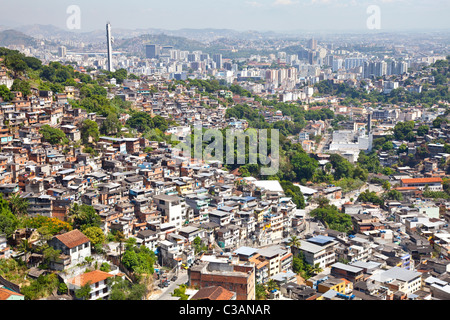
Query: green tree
x,y
141,121
342,167
84,292
180,292
294,192
53,135
394,195
304,166
272,285
21,86
370,196
5,93
403,148
137,292
404,131
18,205
119,288
260,292
42,287
370,161
422,130
322,201
199,246
316,269
111,125
89,131
51,255
388,145
105,267
95,234
294,241
62,288
84,216
25,247
333,218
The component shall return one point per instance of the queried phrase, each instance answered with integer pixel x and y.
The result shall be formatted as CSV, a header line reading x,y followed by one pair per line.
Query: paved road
x,y
165,293
323,143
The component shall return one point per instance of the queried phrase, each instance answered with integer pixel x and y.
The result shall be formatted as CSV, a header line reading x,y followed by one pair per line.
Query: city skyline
x,y
240,15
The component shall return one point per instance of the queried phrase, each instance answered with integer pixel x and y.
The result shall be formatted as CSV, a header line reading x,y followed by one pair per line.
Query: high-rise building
x,y
397,67
217,58
313,57
312,44
165,50
192,57
62,51
369,123
204,56
109,47
353,62
337,64
374,69
152,51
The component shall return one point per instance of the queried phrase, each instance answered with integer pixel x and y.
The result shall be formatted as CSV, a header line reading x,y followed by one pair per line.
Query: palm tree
x,y
74,211
89,260
120,237
260,292
25,247
316,269
18,205
294,241
272,285
322,201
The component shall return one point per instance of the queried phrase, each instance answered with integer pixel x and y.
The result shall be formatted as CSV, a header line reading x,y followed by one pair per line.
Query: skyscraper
x,y
109,48
152,51
217,58
373,69
62,51
312,44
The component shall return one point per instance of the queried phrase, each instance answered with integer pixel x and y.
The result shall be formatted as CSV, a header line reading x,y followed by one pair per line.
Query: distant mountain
x,y
52,32
40,31
136,44
13,37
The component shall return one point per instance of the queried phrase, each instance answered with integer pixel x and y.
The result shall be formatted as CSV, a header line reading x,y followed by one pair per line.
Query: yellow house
x,y
71,92
340,285
184,187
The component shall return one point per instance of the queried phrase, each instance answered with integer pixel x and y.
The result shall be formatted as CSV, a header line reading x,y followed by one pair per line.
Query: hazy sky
x,y
276,15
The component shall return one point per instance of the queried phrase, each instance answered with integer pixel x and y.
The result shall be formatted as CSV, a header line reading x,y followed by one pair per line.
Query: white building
x,y
399,279
74,244
173,207
319,250
97,281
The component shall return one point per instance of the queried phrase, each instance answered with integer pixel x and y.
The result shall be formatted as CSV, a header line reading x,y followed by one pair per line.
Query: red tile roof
x,y
213,293
422,180
72,238
92,277
5,294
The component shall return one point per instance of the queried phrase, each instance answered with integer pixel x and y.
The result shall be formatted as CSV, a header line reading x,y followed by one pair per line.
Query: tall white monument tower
x,y
109,48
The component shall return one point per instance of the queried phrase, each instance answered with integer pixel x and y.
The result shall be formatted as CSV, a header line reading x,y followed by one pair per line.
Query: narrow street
x,y
166,292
